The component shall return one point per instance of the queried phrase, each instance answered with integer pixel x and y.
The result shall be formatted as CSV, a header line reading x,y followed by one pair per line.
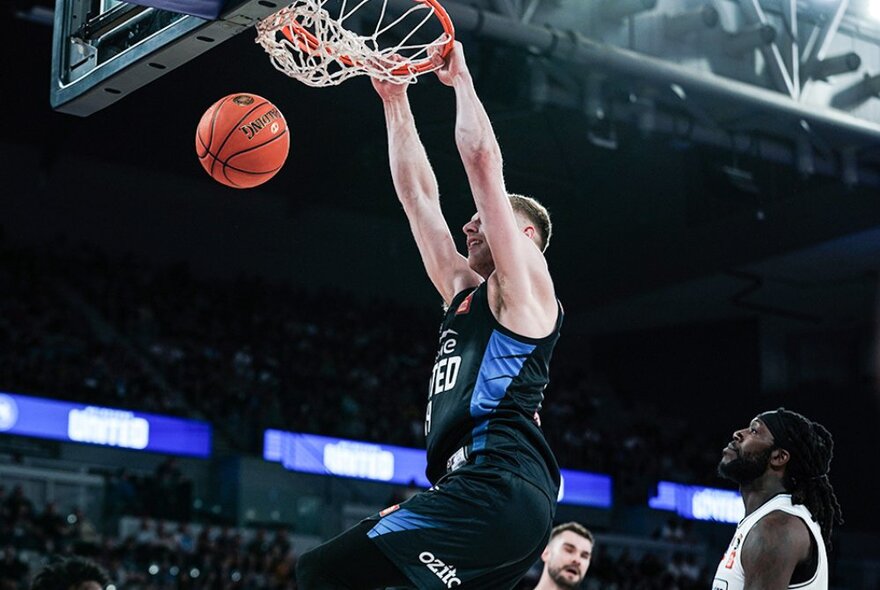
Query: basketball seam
x,y
229,180
235,128
214,121
279,136
207,147
225,163
251,171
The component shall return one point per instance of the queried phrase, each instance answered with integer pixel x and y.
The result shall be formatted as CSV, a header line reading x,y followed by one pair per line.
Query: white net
x,y
325,42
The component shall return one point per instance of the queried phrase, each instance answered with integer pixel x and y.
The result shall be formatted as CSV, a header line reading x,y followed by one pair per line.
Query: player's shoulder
x,y
778,535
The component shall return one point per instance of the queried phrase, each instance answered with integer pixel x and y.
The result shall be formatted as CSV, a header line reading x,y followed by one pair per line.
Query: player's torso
x,y
730,574
486,387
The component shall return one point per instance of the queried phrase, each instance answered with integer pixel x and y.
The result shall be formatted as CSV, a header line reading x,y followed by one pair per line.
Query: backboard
x,y
103,50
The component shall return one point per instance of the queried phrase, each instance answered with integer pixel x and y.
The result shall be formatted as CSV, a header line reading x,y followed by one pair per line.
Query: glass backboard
x,y
103,50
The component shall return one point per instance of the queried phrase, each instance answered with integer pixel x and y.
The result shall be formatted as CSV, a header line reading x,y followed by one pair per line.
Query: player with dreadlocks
x,y
781,463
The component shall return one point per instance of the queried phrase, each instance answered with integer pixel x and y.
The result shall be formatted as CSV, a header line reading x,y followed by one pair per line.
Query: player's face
x,y
91,585
747,456
567,558
479,256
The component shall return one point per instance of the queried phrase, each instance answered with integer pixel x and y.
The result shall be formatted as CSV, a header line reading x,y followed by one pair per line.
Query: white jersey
x,y
730,574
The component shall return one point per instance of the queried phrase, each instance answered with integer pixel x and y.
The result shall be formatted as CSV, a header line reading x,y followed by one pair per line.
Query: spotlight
x,y
676,26
749,39
858,93
616,10
832,66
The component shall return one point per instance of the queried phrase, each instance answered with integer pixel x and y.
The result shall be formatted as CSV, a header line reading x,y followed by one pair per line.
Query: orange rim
x,y
308,43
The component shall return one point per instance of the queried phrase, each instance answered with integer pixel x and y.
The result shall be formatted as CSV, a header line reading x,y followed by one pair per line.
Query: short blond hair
x,y
537,214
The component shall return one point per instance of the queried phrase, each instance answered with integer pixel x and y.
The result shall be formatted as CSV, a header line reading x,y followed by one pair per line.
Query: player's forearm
x,y
473,130
410,169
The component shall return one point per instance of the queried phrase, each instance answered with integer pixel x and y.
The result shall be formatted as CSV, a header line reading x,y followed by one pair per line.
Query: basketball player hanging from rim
x,y
781,463
488,516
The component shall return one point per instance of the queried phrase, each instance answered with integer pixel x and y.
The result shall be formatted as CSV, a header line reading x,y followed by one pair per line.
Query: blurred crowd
x,y
157,556
166,555
167,493
248,354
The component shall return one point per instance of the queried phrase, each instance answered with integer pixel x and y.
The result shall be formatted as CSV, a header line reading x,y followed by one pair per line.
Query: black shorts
x,y
480,527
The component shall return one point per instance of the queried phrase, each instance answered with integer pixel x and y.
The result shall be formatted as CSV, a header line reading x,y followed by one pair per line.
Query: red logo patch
x,y
388,510
730,560
465,305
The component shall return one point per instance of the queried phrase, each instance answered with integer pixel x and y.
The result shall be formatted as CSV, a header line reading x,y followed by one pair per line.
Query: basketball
x,y
242,140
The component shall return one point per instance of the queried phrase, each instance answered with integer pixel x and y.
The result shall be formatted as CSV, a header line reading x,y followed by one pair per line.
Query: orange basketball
x,y
242,140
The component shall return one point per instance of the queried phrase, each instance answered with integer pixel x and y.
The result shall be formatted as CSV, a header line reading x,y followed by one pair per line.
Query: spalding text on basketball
x,y
251,129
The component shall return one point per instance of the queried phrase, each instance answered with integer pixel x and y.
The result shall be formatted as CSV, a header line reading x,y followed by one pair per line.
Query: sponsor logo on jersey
x,y
730,560
388,510
719,584
442,570
445,372
734,547
464,306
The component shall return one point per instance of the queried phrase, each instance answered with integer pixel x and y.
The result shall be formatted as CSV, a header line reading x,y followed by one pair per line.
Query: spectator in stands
x,y
12,569
83,532
50,527
71,574
566,557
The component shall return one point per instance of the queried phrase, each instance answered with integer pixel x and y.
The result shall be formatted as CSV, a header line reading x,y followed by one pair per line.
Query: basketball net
x,y
308,43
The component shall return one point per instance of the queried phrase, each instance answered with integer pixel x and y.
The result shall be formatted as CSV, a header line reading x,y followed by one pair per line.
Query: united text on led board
x,y
309,453
698,502
57,420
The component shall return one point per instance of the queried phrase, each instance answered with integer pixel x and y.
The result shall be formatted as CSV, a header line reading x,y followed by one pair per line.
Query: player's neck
x,y
547,584
756,493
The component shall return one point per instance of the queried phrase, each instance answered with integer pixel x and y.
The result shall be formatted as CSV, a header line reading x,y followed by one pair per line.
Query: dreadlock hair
x,y
68,573
806,475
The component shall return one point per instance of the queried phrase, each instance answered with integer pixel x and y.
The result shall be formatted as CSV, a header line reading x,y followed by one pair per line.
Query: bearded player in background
x,y
781,462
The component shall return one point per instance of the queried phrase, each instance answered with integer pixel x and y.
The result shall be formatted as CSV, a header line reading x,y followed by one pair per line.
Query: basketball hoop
x,y
325,42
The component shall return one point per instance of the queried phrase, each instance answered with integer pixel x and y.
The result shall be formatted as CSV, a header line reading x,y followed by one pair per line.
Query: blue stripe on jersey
x,y
503,360
401,520
478,435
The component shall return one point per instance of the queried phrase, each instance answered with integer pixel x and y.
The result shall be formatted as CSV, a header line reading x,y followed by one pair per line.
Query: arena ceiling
x,y
647,213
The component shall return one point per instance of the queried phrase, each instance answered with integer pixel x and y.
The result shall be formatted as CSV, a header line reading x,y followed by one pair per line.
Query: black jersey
x,y
485,392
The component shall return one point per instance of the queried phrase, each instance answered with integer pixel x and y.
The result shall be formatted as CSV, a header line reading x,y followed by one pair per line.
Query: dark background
x,y
653,244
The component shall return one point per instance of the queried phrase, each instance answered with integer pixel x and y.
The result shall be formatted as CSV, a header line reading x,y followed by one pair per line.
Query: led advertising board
x,y
698,503
109,427
309,453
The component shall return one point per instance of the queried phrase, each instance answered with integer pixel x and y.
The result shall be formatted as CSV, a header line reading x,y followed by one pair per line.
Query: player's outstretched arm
x,y
772,549
520,265
417,190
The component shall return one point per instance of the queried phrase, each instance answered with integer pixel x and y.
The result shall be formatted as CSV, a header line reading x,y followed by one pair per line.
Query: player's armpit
x,y
772,550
